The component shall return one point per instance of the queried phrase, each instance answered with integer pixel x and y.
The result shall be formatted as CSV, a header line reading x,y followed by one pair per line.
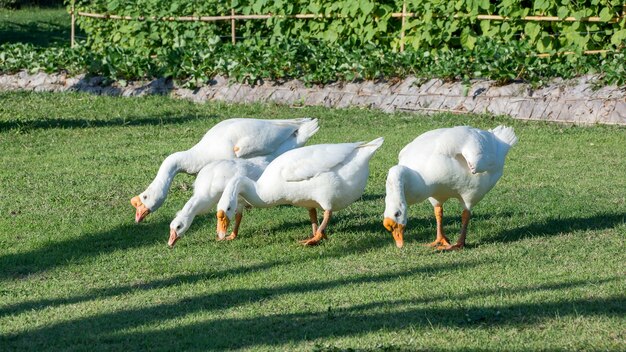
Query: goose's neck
x,y
193,207
172,165
249,191
406,185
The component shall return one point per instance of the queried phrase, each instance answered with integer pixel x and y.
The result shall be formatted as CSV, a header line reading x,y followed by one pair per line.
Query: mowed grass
x,y
543,269
41,27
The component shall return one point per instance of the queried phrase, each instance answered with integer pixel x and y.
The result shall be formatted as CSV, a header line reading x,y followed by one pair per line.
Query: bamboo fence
x,y
233,17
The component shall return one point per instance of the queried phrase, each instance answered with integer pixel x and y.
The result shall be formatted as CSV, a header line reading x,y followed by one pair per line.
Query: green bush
x,y
8,4
455,24
321,51
12,4
439,24
315,63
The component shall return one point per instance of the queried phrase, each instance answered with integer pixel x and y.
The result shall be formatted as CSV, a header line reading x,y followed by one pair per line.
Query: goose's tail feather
x,y
505,134
306,130
376,143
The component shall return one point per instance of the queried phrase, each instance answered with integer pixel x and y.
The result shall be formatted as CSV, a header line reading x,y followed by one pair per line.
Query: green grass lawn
x,y
42,27
543,269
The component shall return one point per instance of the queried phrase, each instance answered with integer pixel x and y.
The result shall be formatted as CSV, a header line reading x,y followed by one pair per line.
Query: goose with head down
x,y
326,176
208,188
459,162
233,138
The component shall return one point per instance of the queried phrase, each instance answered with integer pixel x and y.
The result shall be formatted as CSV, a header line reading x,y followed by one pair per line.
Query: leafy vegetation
x,y
438,25
285,48
543,269
446,24
314,64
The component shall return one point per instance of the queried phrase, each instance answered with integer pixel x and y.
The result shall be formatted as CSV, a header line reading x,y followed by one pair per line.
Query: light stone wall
x,y
578,101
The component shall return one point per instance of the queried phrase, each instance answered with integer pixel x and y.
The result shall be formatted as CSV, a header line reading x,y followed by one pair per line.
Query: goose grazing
x,y
233,138
459,162
326,176
208,188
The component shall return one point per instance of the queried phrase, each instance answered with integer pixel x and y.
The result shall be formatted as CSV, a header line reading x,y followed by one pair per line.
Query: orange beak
x,y
396,230
173,238
222,224
142,210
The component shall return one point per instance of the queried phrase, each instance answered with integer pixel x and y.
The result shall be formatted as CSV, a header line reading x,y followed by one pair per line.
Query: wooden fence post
x,y
72,38
403,23
232,24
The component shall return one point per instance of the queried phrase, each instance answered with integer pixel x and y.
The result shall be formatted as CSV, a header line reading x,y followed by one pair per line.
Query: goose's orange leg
x,y
233,234
321,230
460,243
441,239
313,217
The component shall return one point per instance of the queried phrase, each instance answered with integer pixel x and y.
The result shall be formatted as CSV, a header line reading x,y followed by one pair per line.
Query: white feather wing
x,y
253,137
307,162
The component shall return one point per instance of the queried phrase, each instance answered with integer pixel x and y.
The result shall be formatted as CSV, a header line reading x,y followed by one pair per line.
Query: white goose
x,y
208,188
326,176
233,138
459,162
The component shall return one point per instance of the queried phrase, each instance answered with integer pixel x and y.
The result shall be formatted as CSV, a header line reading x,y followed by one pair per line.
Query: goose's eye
x,y
397,214
228,209
145,197
178,227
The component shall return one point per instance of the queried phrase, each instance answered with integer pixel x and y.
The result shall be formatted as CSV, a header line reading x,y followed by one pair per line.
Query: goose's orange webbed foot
x,y
438,243
451,247
230,237
313,241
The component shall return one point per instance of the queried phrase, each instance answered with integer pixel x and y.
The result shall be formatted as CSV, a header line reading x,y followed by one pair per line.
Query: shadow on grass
x,y
46,123
42,33
336,252
555,226
75,250
341,222
121,328
70,252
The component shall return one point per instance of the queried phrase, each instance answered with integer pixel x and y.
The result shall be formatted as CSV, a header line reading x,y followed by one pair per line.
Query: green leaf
x,y
562,12
468,39
606,14
330,36
366,6
113,5
484,27
532,30
618,37
314,7
541,5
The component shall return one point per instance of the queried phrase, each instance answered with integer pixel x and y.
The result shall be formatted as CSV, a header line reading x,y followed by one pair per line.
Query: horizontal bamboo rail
x,y
314,16
199,18
525,18
586,52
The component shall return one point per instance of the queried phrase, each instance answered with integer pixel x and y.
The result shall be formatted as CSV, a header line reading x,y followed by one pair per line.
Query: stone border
x,y
574,101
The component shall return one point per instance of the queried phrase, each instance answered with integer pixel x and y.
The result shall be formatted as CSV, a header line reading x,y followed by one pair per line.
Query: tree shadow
x,y
118,329
69,122
336,252
41,34
554,226
102,293
223,299
71,251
